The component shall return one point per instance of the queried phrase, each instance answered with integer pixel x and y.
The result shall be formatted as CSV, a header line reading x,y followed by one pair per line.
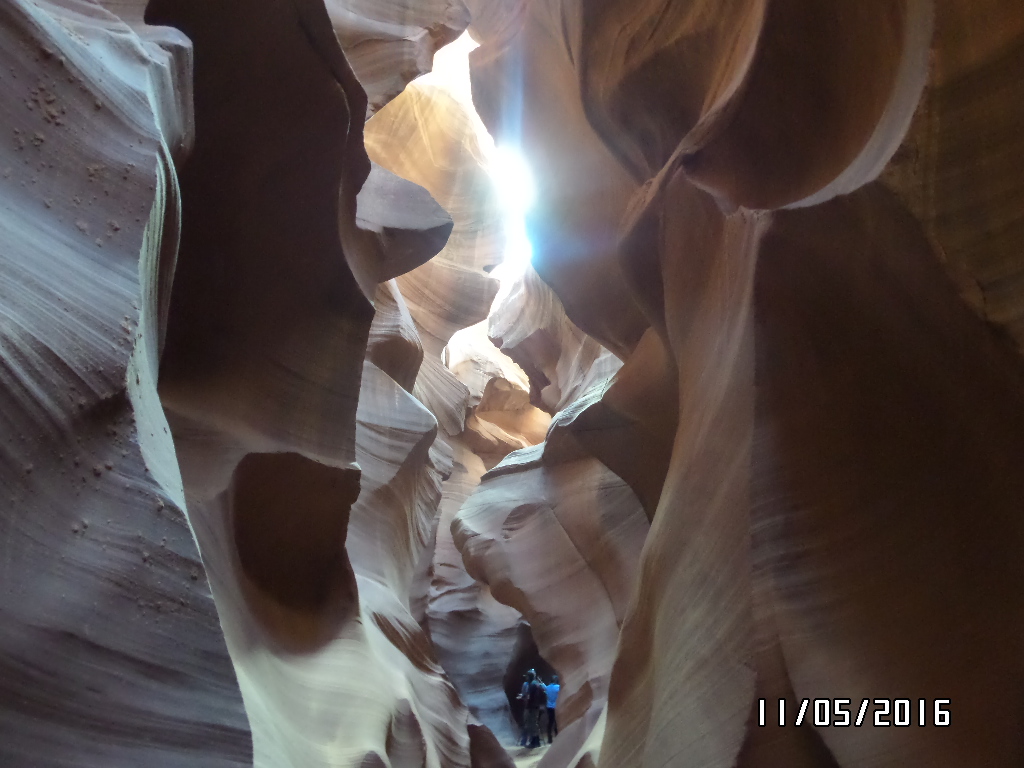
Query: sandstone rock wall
x,y
316,515
282,487
292,492
813,479
112,653
560,541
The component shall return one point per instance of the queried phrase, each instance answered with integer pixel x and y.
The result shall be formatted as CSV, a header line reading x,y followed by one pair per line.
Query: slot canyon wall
x,y
296,472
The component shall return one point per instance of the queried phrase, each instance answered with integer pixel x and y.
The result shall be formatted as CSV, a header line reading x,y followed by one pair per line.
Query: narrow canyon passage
x,y
365,362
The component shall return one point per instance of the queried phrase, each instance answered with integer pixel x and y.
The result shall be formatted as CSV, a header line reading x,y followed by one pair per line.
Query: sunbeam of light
x,y
513,179
516,193
510,174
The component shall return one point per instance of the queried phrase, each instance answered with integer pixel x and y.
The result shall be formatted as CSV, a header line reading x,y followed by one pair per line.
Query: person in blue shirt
x,y
552,690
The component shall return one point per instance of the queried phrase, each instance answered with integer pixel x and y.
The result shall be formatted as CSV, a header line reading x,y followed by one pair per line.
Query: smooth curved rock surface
x,y
112,653
926,508
251,272
714,624
394,345
316,518
409,226
779,327
473,634
560,542
531,327
390,42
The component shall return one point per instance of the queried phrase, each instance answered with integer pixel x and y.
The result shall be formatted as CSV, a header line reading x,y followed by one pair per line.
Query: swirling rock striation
x,y
778,280
312,477
389,43
559,537
755,436
112,653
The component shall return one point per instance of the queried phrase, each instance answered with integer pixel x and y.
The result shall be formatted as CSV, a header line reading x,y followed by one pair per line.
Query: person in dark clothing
x,y
552,695
524,740
534,698
521,698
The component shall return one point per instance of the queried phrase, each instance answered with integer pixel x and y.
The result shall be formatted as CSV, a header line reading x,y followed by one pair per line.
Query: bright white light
x,y
516,192
451,69
513,180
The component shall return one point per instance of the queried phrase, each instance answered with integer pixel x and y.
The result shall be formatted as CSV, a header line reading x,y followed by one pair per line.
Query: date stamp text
x,y
843,713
